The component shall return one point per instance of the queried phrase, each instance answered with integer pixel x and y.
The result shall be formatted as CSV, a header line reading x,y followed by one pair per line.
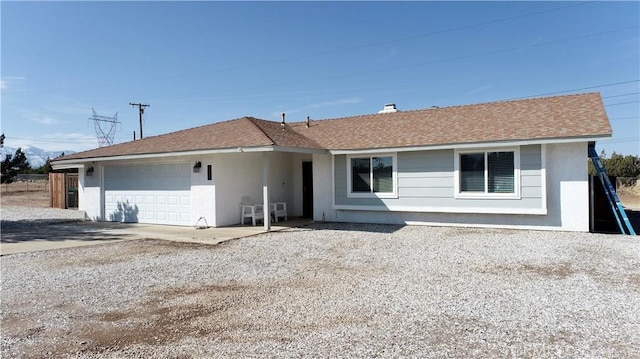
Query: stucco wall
x,y
218,199
322,188
90,193
568,185
240,174
203,193
563,165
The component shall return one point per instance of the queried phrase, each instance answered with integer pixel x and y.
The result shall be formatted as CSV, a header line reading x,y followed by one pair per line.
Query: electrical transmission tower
x,y
105,128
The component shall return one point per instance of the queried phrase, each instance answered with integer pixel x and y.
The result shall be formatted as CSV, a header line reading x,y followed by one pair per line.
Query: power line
x,y
463,57
621,140
377,71
621,103
576,89
439,32
624,94
357,47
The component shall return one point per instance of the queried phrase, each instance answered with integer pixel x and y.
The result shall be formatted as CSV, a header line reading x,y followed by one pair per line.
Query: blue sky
x,y
201,62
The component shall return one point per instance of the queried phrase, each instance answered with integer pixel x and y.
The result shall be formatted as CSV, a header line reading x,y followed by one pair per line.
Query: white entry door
x,y
151,193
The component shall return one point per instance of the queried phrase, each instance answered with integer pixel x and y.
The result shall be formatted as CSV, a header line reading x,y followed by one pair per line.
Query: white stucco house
x,y
509,164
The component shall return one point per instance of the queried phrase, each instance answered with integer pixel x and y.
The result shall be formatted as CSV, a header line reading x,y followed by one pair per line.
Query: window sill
x,y
372,195
458,210
487,196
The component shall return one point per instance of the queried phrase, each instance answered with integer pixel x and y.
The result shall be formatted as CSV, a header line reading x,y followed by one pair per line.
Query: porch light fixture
x,y
90,171
197,166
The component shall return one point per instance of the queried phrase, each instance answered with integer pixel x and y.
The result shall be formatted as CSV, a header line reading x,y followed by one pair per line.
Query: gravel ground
x,y
20,216
329,290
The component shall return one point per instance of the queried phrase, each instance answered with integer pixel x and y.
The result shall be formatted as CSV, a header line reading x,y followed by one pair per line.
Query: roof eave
x,y
64,166
504,143
79,162
304,150
162,155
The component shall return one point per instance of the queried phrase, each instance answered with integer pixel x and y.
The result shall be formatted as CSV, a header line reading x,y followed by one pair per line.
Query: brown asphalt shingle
x,y
541,118
570,116
240,132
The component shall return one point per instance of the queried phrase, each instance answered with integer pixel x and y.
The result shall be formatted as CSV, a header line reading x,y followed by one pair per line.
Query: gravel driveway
x,y
330,290
21,216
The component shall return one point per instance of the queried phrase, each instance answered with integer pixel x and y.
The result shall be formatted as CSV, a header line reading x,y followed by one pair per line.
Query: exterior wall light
x,y
90,171
197,166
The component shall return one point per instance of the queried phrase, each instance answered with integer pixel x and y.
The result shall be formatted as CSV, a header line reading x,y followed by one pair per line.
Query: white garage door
x,y
154,193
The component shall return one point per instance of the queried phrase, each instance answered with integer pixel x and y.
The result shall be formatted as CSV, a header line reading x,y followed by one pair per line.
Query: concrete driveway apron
x,y
75,234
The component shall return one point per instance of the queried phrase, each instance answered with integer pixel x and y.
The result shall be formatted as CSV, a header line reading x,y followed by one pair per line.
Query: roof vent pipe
x,y
282,123
308,121
389,108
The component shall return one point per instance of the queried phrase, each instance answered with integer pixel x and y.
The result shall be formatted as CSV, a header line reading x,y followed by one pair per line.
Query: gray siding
x,y
426,179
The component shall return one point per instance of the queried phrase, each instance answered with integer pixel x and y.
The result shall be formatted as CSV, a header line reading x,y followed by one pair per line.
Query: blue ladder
x,y
609,190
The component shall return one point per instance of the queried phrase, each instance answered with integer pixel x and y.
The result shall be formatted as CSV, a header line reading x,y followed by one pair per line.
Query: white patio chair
x,y
279,209
248,209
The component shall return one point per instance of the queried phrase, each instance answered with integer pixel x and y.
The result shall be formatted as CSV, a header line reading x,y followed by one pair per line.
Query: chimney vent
x,y
389,108
308,119
282,123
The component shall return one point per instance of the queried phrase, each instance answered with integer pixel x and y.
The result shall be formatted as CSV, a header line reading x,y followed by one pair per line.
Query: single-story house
x,y
509,164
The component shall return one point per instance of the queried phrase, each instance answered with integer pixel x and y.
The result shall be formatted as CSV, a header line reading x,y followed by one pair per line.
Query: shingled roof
x,y
548,118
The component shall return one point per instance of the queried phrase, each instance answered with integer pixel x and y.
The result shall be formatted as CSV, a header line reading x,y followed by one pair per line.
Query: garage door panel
x,y
149,208
148,193
172,200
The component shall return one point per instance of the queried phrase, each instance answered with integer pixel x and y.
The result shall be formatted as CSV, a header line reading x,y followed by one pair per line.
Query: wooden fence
x,y
63,190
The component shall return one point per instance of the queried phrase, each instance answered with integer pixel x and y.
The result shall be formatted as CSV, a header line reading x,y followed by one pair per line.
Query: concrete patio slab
x,y
54,236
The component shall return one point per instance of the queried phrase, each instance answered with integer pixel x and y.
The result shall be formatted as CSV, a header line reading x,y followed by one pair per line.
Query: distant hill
x,y
36,156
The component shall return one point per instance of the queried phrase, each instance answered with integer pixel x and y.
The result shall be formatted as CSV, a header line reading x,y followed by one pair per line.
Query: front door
x,y
307,190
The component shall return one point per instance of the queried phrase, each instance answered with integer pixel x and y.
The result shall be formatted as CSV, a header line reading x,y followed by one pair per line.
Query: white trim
x,y
333,181
486,194
471,145
67,166
431,209
103,210
64,164
300,150
59,164
543,174
163,155
394,177
477,225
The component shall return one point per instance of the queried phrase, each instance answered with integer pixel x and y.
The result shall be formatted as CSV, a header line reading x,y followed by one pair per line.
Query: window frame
x,y
372,194
486,194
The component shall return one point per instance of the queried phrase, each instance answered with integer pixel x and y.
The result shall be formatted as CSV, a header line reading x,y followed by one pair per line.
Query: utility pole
x,y
141,107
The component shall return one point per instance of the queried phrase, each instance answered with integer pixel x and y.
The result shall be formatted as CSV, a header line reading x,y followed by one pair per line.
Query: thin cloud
x,y
527,47
7,81
386,57
56,142
76,111
45,120
57,114
479,89
335,103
